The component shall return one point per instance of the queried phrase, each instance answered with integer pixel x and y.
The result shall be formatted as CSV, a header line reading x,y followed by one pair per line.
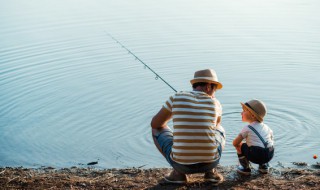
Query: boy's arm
x,y
237,141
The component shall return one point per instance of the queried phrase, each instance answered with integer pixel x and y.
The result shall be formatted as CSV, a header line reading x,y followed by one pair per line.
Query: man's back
x,y
194,118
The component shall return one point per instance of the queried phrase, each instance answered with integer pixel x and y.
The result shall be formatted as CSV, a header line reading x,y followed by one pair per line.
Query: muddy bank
x,y
300,177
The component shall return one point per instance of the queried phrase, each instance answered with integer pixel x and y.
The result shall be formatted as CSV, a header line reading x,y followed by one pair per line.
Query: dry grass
x,y
135,178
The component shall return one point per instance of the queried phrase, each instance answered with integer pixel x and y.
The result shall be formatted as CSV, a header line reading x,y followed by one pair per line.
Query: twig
x,y
12,179
2,171
300,177
95,179
141,166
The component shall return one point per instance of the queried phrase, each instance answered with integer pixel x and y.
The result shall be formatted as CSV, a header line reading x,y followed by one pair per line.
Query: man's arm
x,y
159,123
219,121
160,120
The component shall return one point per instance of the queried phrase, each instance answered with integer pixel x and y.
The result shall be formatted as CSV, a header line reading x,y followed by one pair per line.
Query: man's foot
x,y
175,177
213,176
244,171
264,168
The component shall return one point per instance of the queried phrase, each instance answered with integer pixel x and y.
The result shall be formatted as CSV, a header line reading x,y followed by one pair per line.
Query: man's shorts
x,y
165,140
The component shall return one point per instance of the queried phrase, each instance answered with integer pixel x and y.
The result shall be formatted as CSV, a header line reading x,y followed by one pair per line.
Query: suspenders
x,y
256,132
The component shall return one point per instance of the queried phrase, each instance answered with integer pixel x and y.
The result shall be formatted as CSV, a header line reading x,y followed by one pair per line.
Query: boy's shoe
x,y
175,177
244,171
243,161
213,176
263,168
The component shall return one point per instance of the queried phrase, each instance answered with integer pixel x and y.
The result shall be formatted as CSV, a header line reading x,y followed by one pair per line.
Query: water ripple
x,y
70,94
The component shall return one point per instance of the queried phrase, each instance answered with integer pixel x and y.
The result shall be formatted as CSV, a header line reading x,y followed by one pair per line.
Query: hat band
x,y
205,78
248,106
253,110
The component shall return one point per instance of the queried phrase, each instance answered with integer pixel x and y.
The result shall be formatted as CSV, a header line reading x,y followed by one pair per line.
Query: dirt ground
x,y
300,177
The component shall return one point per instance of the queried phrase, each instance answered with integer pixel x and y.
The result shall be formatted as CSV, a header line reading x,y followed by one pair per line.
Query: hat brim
x,y
252,111
219,85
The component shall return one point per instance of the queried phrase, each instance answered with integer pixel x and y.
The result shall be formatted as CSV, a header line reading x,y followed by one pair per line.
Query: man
x,y
197,140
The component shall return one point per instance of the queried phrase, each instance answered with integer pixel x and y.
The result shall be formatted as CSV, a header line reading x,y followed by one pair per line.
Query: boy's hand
x,y
237,142
238,148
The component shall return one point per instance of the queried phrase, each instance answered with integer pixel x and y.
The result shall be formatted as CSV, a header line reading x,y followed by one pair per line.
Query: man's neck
x,y
201,89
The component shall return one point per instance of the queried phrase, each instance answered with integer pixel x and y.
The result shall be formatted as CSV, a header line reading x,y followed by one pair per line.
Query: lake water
x,y
69,94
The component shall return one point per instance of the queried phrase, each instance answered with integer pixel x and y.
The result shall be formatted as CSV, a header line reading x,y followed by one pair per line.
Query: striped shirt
x,y
194,116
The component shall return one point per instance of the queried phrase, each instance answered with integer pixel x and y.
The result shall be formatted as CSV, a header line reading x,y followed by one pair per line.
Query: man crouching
x,y
197,140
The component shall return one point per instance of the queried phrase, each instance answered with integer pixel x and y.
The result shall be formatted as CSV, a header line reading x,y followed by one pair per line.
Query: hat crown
x,y
259,107
206,75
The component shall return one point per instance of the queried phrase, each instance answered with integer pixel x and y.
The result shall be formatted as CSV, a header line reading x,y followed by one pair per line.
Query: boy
x,y
258,145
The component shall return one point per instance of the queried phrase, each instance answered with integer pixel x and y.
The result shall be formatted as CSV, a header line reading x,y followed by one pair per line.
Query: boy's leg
x,y
244,167
263,168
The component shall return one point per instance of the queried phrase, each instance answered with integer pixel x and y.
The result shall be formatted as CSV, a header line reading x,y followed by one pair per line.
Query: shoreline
x,y
301,177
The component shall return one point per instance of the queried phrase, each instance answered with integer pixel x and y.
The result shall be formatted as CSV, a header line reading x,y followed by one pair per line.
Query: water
x,y
70,95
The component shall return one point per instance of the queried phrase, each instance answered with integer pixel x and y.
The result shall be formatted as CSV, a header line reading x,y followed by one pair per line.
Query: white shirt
x,y
252,139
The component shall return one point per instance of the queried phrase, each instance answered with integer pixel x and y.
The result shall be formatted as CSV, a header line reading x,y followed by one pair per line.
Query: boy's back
x,y
252,139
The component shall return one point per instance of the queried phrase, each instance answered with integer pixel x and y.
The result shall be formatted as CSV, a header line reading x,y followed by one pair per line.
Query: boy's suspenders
x,y
256,132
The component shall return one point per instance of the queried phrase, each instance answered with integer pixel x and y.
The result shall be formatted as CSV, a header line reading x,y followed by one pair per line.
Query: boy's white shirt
x,y
252,139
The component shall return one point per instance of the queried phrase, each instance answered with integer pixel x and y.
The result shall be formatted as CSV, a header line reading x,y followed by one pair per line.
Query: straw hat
x,y
257,108
206,75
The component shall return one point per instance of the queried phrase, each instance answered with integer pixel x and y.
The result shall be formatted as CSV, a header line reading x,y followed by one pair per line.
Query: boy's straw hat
x,y
257,108
206,75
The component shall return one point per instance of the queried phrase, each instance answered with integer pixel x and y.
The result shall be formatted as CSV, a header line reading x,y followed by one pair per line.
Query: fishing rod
x,y
145,65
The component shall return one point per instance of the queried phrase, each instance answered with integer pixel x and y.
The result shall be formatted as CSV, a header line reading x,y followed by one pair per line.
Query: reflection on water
x,y
69,94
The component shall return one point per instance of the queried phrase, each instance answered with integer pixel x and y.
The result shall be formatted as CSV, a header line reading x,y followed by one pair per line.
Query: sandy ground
x,y
301,177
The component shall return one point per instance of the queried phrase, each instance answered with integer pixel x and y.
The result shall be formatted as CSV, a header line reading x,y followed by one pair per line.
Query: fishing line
x,y
145,65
